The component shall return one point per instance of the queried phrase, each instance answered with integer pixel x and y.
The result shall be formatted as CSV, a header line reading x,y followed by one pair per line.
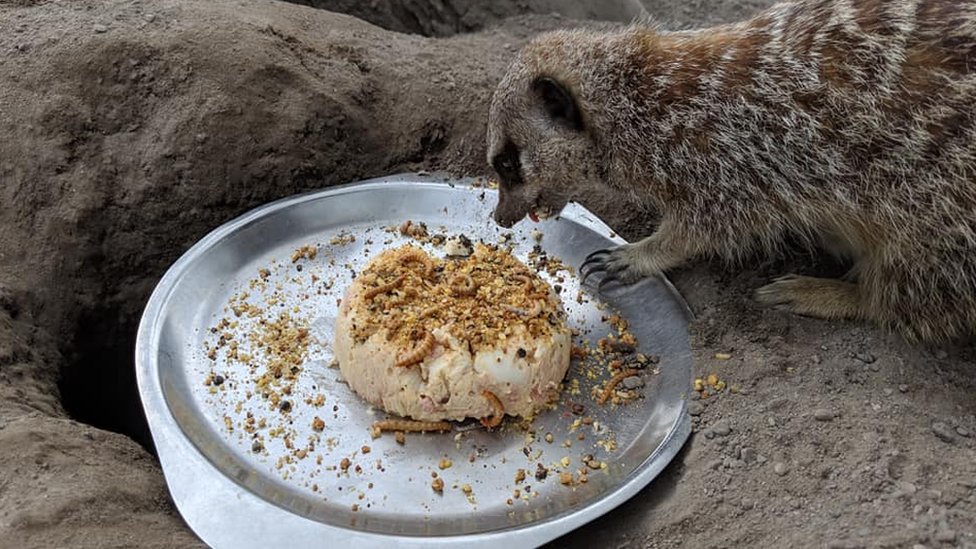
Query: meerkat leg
x,y
817,297
631,262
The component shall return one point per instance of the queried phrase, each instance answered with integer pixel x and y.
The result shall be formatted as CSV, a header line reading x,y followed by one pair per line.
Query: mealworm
x,y
418,353
526,281
418,256
463,284
411,229
531,313
410,425
498,410
373,292
614,381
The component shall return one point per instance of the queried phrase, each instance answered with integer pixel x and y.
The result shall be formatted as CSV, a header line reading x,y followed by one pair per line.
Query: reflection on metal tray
x,y
292,487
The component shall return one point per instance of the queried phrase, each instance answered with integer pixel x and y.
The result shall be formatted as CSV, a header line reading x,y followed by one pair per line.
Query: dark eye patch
x,y
508,165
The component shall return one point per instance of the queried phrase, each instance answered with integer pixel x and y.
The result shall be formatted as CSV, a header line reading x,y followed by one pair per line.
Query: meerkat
x,y
849,123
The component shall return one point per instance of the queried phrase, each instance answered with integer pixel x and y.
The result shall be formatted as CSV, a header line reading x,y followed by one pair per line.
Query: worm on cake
x,y
498,411
530,313
371,293
414,255
463,284
526,282
424,348
410,425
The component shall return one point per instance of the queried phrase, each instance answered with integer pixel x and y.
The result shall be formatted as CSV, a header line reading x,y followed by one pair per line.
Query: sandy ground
x,y
129,129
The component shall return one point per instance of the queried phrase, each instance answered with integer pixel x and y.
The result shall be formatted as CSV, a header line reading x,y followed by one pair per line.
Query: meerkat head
x,y
538,140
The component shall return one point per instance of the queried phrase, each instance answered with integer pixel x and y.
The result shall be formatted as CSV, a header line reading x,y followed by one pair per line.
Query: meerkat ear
x,y
558,102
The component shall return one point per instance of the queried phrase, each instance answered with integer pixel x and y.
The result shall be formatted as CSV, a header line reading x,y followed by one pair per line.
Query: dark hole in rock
x,y
98,379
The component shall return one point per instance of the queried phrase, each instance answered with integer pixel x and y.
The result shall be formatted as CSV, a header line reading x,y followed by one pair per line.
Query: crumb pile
x,y
433,339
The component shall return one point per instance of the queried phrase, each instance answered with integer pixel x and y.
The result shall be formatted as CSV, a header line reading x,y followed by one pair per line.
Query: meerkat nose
x,y
502,221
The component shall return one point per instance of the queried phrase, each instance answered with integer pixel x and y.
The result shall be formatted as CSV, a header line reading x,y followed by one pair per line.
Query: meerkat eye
x,y
558,103
508,165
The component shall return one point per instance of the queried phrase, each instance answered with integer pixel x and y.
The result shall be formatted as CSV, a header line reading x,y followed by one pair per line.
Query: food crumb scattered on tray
x,y
261,350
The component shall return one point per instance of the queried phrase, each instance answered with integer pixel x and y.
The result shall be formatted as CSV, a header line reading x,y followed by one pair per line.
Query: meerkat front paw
x,y
625,264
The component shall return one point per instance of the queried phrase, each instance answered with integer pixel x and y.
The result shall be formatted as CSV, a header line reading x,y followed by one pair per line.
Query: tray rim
x,y
201,496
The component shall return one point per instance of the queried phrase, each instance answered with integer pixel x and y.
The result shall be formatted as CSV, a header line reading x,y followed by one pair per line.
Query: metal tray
x,y
232,496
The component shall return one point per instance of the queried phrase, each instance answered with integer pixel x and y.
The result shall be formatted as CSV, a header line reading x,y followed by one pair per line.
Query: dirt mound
x,y
129,130
701,13
449,17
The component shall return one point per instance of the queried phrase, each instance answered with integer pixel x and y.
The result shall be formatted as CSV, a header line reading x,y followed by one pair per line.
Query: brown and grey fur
x,y
851,123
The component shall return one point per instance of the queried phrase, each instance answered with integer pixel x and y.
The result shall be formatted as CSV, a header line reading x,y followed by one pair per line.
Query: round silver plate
x,y
232,496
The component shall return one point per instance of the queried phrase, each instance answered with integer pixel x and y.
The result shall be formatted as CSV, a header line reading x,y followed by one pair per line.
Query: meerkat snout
x,y
536,137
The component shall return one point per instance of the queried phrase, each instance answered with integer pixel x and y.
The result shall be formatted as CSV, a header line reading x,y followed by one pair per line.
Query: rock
x,y
780,468
771,421
903,388
942,431
100,28
695,408
906,488
941,354
714,465
748,455
945,535
722,428
962,431
866,358
633,382
823,414
888,392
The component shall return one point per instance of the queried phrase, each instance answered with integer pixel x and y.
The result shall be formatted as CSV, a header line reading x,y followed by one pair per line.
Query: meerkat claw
x,y
594,263
608,281
616,264
595,257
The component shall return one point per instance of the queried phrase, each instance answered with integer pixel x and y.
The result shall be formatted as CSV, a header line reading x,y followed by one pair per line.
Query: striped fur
x,y
850,123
